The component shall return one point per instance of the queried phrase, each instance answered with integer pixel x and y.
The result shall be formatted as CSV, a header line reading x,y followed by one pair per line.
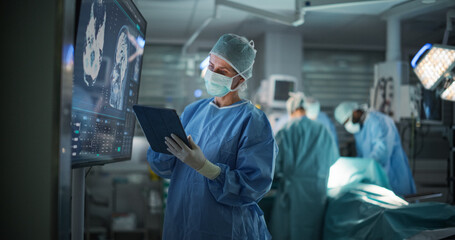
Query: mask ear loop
x,y
242,84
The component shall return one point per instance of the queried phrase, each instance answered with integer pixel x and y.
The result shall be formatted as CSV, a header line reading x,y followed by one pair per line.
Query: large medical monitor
x,y
279,88
110,41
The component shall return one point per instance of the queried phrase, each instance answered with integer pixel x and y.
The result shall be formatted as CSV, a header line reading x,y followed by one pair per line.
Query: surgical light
x,y
432,63
449,93
204,63
140,41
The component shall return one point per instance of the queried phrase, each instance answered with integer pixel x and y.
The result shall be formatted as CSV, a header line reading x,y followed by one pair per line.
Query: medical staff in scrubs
x,y
313,111
217,182
376,137
307,150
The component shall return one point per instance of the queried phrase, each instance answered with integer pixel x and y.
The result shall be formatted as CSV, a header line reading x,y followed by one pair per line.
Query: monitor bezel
x,y
99,161
272,87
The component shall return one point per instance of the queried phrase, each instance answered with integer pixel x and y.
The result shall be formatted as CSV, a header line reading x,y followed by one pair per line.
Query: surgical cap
x,y
295,101
238,52
344,110
312,107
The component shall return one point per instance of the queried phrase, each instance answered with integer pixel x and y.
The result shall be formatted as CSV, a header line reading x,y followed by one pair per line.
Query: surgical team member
x,y
307,150
313,111
217,182
376,137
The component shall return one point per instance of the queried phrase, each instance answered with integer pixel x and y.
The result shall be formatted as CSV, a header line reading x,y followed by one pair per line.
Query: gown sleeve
x,y
279,162
254,169
380,142
163,164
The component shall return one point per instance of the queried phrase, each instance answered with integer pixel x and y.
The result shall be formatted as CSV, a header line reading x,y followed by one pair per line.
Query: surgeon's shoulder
x,y
380,120
306,125
254,118
323,115
256,123
378,117
256,115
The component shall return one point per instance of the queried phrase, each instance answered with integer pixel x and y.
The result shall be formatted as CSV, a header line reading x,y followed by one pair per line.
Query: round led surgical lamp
x,y
203,66
204,63
203,72
449,92
432,63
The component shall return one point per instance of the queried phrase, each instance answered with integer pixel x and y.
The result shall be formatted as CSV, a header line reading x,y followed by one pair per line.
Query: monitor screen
x,y
282,89
110,41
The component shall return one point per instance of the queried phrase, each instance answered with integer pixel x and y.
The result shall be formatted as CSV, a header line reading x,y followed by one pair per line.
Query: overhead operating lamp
x,y
203,66
449,93
204,63
433,63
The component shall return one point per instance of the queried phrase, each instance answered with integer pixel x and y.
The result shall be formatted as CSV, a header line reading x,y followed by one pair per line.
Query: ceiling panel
x,y
356,7
359,24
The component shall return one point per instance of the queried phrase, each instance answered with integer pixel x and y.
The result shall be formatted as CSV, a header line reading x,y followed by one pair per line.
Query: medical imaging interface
x,y
107,64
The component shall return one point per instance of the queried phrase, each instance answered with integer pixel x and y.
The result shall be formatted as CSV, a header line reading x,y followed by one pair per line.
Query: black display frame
x,y
102,160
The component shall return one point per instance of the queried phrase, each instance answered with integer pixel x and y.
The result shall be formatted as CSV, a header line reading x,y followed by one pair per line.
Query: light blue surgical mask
x,y
219,85
352,127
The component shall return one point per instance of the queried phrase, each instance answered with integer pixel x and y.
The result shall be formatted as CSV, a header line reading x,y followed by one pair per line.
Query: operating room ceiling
x,y
327,22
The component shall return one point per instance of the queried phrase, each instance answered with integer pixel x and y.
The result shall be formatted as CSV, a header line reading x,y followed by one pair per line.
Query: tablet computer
x,y
157,123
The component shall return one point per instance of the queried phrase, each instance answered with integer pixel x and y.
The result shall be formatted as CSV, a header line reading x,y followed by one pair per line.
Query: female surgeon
x,y
217,182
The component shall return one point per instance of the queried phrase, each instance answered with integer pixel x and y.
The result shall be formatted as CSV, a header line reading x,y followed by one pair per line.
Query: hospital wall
x,y
170,80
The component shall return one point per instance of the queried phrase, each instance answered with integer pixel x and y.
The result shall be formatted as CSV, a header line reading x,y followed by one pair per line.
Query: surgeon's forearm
x,y
380,155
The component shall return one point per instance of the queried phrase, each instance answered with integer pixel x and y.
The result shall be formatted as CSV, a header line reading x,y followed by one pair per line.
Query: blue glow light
x,y
68,58
204,63
419,54
427,110
140,41
198,93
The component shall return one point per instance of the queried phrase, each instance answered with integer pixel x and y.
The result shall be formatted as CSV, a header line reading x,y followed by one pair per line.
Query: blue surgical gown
x,y
325,120
379,139
237,138
307,150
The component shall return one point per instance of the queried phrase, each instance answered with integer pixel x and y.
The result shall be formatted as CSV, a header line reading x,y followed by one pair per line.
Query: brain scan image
x,y
120,70
94,42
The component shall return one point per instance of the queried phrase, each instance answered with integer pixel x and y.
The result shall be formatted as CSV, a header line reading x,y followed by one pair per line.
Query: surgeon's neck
x,y
228,99
298,113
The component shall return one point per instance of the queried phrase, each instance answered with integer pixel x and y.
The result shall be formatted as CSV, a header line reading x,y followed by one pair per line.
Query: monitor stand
x,y
77,204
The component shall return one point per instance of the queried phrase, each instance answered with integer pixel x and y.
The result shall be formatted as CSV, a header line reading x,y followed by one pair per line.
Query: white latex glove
x,y
193,157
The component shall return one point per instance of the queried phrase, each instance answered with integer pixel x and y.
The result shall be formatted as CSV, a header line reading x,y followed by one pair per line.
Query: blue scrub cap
x,y
344,111
238,52
295,101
